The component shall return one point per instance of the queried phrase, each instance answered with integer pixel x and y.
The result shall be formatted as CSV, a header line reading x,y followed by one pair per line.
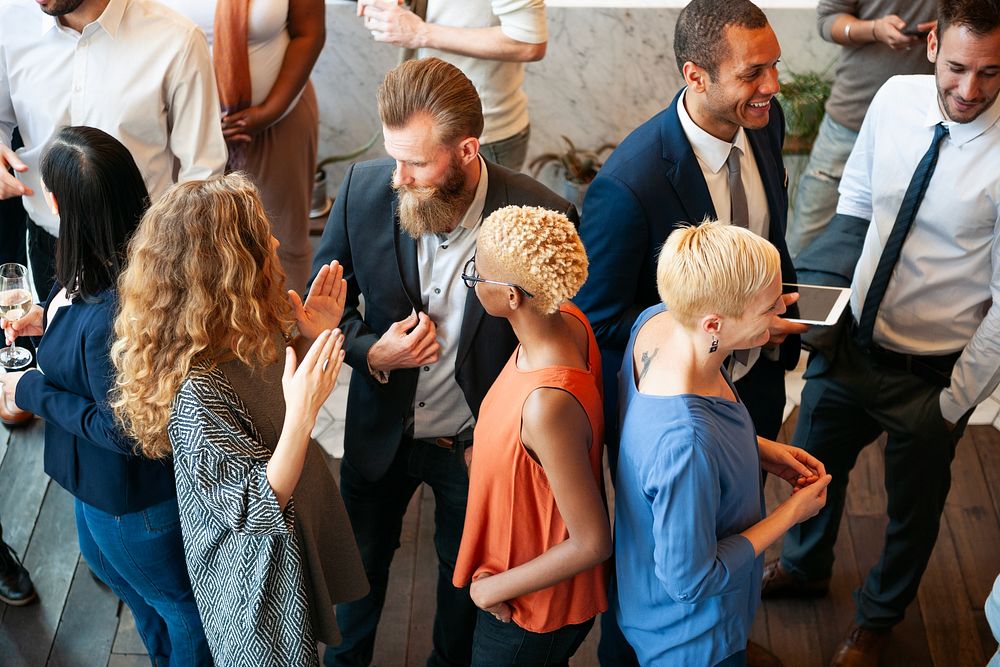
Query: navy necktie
x,y
894,244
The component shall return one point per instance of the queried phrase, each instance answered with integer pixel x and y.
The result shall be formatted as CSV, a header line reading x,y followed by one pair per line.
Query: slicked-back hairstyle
x,y
700,32
101,197
436,88
980,16
713,268
537,249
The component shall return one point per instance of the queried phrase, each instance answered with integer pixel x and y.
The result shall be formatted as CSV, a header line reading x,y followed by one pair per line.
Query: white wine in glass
x,y
15,302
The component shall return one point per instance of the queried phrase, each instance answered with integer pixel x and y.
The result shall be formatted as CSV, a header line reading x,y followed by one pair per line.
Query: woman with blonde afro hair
x,y
209,372
536,529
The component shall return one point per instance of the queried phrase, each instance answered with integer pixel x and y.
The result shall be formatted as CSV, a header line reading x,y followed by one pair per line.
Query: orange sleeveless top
x,y
512,515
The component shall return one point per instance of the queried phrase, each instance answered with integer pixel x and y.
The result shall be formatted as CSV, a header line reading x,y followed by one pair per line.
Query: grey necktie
x,y
739,212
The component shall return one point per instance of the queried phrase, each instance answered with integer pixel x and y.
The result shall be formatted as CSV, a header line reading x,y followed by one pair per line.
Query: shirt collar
x,y
962,133
474,214
110,19
712,151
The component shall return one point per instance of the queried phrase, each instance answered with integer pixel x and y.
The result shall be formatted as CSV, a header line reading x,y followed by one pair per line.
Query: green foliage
x,y
803,96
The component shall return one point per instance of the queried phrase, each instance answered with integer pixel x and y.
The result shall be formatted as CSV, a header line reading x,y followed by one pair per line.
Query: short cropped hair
x,y
700,32
713,268
434,87
980,16
537,249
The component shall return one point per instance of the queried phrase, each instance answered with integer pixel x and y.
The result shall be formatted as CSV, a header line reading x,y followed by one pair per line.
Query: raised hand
x,y
324,305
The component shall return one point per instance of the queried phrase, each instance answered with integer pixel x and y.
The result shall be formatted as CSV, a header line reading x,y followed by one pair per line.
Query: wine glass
x,y
15,302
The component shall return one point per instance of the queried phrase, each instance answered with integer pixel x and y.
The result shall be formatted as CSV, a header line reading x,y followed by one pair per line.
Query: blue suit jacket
x,y
650,184
85,450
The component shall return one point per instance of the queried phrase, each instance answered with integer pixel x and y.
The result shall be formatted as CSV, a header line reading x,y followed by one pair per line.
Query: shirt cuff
x,y
525,24
951,410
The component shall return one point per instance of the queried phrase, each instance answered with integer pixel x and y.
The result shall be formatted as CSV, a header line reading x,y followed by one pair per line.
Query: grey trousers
x,y
847,402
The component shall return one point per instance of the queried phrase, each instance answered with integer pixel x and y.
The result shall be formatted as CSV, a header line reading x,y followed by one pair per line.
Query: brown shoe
x,y
781,584
758,656
862,648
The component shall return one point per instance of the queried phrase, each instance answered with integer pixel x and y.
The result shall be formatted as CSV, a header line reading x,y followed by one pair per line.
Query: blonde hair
x,y
537,249
202,280
436,88
713,268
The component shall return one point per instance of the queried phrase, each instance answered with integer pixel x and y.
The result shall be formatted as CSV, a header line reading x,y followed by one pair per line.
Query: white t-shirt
x,y
267,38
505,106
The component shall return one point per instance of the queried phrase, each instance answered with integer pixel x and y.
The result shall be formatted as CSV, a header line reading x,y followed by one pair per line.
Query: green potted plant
x,y
803,98
578,167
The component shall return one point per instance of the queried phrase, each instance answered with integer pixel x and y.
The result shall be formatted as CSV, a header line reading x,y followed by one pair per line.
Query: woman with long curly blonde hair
x,y
202,376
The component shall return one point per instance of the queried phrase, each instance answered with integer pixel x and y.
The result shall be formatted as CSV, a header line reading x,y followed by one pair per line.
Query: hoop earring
x,y
715,344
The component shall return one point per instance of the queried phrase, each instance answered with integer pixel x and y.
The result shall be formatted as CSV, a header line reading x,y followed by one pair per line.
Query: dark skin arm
x,y
557,432
307,29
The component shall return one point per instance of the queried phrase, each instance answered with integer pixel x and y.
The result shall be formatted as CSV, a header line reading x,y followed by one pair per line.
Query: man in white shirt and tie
x,y
132,68
923,347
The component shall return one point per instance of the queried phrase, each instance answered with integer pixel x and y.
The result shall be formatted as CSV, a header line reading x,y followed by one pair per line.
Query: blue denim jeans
x,y
140,556
376,510
499,644
509,152
817,195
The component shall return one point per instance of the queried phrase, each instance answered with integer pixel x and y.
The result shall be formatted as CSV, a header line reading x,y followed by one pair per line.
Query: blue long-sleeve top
x,y
86,451
688,482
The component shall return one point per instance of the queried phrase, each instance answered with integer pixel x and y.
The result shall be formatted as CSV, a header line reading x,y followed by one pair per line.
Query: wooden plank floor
x,y
78,624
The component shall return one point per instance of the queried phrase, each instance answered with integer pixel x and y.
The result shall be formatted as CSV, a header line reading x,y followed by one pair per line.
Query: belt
x,y
935,369
449,442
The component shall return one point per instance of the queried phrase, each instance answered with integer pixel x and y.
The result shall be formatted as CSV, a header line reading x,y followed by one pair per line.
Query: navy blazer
x,y
85,450
651,183
380,263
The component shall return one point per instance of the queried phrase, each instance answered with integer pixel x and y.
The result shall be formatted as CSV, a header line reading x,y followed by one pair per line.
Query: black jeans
x,y
846,404
42,255
499,644
376,510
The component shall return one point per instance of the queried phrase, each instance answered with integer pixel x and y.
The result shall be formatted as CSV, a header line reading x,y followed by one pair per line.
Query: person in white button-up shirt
x,y
935,342
132,68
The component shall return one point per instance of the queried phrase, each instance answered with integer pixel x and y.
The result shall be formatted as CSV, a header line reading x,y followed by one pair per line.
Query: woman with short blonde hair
x,y
205,354
690,528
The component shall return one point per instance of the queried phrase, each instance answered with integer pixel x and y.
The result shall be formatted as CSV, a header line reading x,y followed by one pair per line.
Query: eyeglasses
x,y
471,276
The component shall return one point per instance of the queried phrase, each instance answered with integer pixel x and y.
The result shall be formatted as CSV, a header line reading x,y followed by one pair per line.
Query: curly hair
x,y
537,249
202,281
713,267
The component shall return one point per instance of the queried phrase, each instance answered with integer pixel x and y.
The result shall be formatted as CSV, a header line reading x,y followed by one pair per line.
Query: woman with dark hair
x,y
126,504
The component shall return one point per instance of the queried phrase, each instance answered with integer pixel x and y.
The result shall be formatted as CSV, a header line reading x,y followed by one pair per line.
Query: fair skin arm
x,y
306,386
887,29
406,344
323,307
556,429
389,22
307,30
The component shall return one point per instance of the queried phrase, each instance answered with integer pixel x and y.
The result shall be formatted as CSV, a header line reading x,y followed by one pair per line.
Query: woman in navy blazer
x,y
126,505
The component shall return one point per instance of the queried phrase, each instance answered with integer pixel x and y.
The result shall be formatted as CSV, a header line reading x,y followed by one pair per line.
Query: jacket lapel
x,y
773,183
406,261
683,170
496,197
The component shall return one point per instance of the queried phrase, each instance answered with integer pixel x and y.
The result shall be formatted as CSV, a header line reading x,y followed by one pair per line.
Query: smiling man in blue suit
x,y
715,152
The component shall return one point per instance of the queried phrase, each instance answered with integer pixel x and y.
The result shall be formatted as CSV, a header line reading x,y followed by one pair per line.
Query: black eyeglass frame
x,y
470,277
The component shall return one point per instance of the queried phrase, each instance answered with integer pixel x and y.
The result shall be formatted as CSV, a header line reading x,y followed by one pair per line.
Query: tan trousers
x,y
281,160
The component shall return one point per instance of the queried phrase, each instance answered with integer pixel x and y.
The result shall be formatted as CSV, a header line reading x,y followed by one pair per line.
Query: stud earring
x,y
715,344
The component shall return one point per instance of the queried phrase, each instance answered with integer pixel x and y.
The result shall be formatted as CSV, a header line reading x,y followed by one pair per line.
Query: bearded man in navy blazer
x,y
715,152
424,353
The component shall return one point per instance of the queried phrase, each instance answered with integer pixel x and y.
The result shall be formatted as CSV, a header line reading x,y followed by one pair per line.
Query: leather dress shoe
x,y
779,583
15,584
861,648
758,656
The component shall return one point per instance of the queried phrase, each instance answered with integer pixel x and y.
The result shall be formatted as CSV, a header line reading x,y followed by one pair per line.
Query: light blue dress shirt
x,y
688,482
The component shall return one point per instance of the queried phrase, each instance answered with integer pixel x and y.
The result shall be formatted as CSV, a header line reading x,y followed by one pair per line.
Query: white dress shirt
x,y
712,154
943,293
140,72
439,405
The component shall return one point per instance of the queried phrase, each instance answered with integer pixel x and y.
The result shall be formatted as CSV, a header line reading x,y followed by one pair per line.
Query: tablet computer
x,y
819,304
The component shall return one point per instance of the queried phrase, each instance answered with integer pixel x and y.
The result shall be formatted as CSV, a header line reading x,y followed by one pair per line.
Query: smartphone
x,y
914,31
819,304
